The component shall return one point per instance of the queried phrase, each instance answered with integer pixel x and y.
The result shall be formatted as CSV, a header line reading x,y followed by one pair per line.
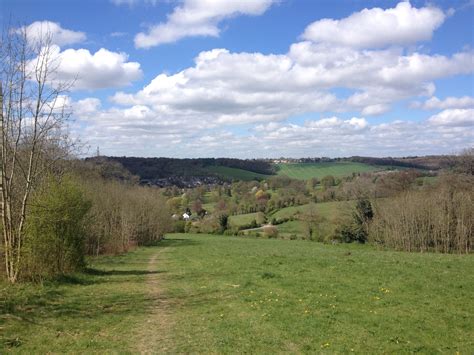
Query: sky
x,y
261,78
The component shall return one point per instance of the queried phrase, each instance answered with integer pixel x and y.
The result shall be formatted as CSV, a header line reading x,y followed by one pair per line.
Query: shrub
x,y
56,230
270,232
179,226
223,222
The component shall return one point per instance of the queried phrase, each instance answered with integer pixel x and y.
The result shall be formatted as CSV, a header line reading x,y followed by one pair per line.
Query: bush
x,y
270,232
179,227
56,229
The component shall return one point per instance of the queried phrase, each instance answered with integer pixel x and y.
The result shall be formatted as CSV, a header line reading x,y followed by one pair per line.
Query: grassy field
x,y
328,210
236,174
215,294
305,171
97,311
242,219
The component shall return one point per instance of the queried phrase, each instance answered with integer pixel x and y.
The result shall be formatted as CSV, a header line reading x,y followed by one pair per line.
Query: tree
x,y
32,114
312,221
223,222
363,215
328,181
197,207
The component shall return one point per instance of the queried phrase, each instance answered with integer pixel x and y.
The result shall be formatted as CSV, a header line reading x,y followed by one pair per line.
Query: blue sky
x,y
262,78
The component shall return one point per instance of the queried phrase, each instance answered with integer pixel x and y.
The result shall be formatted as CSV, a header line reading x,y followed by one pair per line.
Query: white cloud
x,y
435,103
140,131
373,110
189,113
87,107
374,28
39,30
198,18
102,69
235,88
454,118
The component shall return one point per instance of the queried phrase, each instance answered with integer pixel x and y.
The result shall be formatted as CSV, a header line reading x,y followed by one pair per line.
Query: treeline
x,y
74,212
156,168
408,210
439,218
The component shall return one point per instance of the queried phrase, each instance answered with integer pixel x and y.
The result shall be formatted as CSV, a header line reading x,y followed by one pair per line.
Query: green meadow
x,y
236,174
242,219
218,294
305,171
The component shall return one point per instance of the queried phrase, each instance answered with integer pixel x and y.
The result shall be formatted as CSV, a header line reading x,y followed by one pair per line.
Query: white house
x,y
186,216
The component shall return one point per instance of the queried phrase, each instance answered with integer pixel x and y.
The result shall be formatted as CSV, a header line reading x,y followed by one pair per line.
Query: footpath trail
x,y
155,334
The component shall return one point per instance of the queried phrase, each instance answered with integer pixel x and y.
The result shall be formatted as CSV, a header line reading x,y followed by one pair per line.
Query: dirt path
x,y
155,335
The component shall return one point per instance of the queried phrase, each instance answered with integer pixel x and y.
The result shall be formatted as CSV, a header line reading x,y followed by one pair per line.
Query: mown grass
x,y
268,296
236,174
95,311
305,171
229,294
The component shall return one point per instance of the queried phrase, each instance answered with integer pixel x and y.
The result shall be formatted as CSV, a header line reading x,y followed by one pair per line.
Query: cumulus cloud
x,y
197,18
102,69
138,130
435,103
39,30
454,118
235,88
193,111
376,27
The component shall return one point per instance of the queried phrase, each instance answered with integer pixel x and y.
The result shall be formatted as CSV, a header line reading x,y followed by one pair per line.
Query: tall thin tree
x,y
33,112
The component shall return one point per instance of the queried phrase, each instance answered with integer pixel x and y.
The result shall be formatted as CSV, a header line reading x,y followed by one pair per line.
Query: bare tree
x,y
33,112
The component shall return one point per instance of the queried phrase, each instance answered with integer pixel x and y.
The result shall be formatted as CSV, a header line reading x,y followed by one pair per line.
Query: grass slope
x,y
235,174
228,295
98,311
242,219
305,171
328,210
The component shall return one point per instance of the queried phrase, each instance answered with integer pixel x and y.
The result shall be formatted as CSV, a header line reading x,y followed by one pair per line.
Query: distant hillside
x,y
190,172
433,162
236,174
304,171
195,172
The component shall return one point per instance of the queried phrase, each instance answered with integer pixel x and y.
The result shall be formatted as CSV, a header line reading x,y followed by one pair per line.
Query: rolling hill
x,y
304,171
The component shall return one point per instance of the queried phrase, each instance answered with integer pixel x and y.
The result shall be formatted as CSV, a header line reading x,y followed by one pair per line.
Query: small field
x,y
242,219
216,294
305,171
328,210
236,174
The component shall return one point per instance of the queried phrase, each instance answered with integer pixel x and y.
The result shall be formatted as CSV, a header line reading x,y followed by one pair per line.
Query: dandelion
x,y
325,345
